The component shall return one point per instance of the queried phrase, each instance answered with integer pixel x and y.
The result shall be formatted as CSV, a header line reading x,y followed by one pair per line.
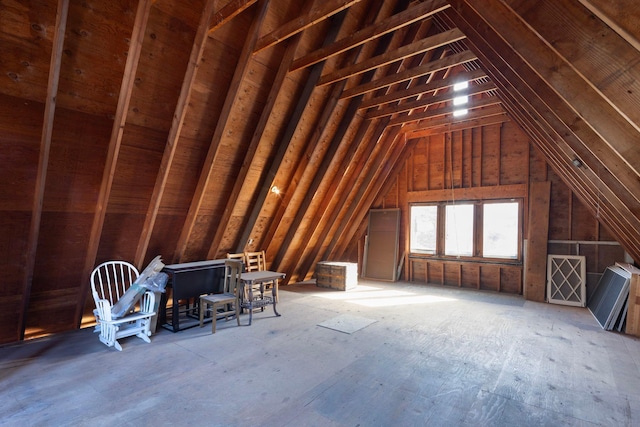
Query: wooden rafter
x,y
362,147
412,73
566,22
395,22
553,126
622,15
582,140
301,103
474,119
563,78
319,13
432,86
242,68
43,159
443,111
276,86
328,155
376,176
174,132
430,100
120,119
228,12
386,58
352,164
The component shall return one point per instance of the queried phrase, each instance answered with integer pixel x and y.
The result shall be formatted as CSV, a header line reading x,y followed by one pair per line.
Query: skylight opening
x,y
460,86
461,112
460,100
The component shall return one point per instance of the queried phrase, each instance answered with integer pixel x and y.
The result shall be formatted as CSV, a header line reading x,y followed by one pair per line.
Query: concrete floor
x,y
423,356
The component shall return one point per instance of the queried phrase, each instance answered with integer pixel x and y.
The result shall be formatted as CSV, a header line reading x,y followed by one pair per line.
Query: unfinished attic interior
x,y
132,129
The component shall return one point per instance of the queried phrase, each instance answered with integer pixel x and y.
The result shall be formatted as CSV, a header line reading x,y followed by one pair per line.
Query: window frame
x,y
478,219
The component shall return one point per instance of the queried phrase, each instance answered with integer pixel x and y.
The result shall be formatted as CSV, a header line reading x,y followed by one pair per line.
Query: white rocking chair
x,y
109,282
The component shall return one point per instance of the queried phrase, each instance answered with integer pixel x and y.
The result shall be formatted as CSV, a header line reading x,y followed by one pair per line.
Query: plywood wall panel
x,y
76,163
583,224
436,159
514,154
451,274
168,39
490,155
97,33
435,272
511,280
490,277
559,220
469,276
120,235
136,171
26,36
20,124
164,237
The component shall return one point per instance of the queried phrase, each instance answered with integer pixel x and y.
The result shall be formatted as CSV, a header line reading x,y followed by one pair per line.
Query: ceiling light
x,y
461,112
576,162
275,190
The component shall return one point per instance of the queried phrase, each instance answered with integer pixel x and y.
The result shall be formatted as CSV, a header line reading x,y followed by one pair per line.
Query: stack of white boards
x,y
609,301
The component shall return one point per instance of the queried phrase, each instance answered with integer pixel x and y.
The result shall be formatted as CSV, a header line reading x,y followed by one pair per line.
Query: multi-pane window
x,y
424,229
458,235
485,229
500,230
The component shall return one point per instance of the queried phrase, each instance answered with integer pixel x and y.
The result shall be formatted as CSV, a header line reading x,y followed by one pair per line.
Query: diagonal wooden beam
x,y
43,159
416,13
621,15
559,75
432,86
302,100
319,13
352,164
276,86
430,100
482,117
360,149
120,119
174,133
444,111
610,66
242,68
374,181
412,73
555,128
302,166
228,12
306,208
386,58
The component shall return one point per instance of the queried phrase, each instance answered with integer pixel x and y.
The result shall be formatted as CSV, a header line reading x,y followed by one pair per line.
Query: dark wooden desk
x,y
254,281
187,281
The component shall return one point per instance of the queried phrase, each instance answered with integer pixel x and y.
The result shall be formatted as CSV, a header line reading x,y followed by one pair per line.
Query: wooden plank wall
x,y
486,163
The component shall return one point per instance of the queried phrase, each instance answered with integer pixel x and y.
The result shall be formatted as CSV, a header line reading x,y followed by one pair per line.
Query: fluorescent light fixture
x,y
460,86
459,100
458,113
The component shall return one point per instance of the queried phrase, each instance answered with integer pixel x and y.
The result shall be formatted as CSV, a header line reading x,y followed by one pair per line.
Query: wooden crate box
x,y
337,275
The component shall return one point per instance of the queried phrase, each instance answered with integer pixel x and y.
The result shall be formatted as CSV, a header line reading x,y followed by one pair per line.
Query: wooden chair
x,y
237,256
109,282
227,300
255,261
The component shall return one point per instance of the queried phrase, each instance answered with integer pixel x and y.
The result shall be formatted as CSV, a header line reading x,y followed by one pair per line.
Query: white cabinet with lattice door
x,y
566,280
